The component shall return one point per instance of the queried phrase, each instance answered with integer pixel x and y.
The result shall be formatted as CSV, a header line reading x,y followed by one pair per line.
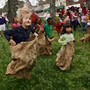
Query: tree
x,y
88,3
42,2
53,10
12,8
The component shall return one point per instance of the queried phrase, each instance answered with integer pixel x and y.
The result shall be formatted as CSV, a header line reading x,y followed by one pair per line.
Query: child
x,y
46,16
41,36
65,55
15,23
2,24
48,33
39,24
86,37
23,53
59,27
7,22
34,17
83,20
88,19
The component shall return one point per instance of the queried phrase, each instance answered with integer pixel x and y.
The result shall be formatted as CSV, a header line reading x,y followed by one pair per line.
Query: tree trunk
x,y
53,11
12,8
88,3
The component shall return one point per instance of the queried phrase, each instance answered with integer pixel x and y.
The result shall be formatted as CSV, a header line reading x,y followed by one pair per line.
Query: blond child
x,y
23,52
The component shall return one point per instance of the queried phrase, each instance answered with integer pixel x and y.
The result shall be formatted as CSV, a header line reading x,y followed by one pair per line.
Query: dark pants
x,y
75,24
83,26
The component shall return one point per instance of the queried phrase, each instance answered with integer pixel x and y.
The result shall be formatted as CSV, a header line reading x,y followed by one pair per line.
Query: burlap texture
x,y
65,56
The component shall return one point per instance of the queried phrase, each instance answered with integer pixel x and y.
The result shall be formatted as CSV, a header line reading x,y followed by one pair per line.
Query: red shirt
x,y
84,11
34,18
58,26
71,16
63,12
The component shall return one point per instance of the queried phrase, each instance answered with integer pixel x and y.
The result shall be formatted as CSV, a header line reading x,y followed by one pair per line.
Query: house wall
x,y
71,2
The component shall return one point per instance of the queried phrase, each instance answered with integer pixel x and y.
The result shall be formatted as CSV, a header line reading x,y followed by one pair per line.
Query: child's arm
x,y
8,35
33,31
62,41
47,32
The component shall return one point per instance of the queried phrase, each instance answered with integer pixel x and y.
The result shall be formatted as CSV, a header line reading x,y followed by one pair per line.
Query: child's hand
x,y
66,43
12,42
36,34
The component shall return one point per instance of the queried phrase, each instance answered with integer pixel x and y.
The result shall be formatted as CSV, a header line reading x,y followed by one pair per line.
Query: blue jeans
x,y
83,26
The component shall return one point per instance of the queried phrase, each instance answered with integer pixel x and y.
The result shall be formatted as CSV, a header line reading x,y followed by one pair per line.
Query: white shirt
x,y
46,16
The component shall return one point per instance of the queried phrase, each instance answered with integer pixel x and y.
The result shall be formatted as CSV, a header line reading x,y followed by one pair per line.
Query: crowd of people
x,y
27,21
77,17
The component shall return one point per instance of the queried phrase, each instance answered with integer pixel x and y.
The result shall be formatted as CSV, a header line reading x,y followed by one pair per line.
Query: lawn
x,y
46,75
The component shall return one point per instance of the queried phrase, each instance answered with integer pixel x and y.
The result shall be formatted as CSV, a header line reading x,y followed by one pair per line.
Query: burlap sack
x,y
48,46
86,37
65,56
41,42
24,57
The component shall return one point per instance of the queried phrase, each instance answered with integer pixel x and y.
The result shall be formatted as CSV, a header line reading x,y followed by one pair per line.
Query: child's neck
x,y
68,33
25,27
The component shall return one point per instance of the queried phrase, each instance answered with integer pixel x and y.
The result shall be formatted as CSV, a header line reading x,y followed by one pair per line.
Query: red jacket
x,y
34,16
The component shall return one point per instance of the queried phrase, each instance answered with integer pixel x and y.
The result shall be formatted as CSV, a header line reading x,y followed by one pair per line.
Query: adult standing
x,y
2,22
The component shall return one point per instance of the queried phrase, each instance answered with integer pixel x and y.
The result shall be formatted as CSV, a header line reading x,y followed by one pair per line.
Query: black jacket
x,y
19,34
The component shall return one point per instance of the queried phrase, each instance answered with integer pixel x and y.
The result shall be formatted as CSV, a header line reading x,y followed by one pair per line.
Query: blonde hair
x,y
22,12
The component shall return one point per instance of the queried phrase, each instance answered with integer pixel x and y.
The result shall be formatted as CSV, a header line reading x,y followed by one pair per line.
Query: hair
x,y
14,20
22,12
48,20
37,20
64,28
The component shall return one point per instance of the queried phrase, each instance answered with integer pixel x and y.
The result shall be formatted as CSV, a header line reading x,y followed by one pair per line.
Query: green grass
x,y
46,75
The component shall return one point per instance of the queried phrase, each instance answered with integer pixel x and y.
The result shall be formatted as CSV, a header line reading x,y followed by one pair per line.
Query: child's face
x,y
39,21
68,30
15,20
26,20
50,22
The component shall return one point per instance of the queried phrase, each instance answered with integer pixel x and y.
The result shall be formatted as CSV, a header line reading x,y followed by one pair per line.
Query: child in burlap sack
x,y
41,37
65,55
23,51
86,37
49,38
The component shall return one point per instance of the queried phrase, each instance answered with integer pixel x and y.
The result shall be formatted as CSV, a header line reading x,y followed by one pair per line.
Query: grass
x,y
46,75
